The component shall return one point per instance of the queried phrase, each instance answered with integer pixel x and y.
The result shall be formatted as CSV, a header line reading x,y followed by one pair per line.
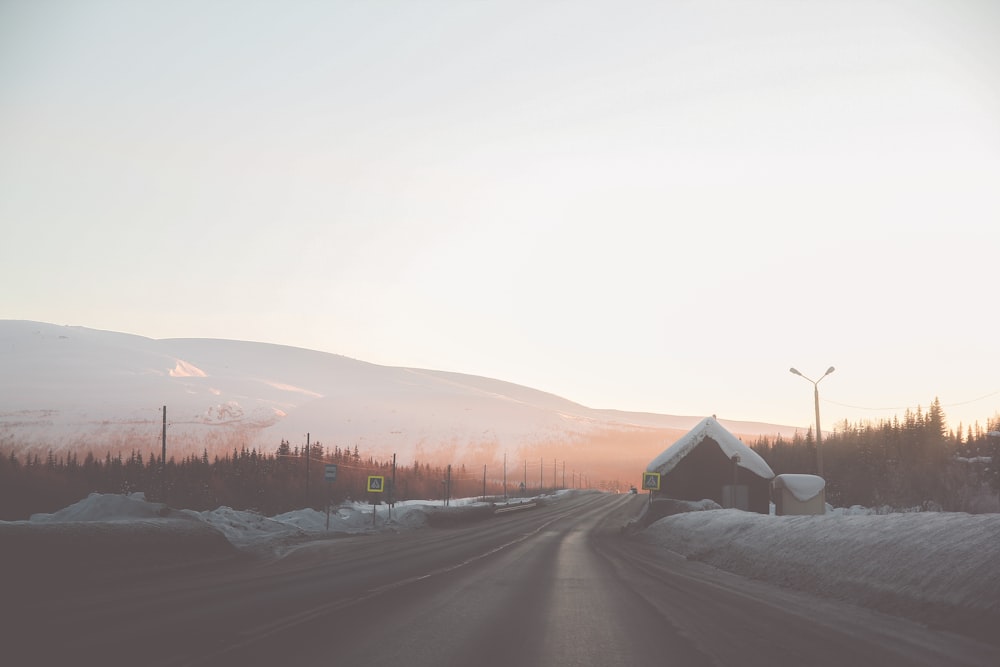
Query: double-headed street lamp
x,y
819,433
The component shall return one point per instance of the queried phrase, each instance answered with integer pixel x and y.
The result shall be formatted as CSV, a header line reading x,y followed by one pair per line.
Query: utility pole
x,y
505,476
392,490
307,470
447,498
163,459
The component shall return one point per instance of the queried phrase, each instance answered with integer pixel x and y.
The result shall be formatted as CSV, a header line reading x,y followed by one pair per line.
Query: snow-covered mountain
x,y
65,387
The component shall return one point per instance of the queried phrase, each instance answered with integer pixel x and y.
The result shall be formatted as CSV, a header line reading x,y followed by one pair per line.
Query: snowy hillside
x,y
72,387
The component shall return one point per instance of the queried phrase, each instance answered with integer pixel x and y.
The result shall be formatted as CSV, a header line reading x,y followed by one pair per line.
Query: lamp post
x,y
819,433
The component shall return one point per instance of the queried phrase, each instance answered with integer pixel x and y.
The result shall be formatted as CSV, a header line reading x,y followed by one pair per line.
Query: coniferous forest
x,y
268,483
913,462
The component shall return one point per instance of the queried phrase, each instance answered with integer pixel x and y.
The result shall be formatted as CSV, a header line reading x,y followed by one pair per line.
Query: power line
x,y
910,407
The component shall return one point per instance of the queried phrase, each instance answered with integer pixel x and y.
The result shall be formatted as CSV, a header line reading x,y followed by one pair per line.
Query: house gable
x,y
701,465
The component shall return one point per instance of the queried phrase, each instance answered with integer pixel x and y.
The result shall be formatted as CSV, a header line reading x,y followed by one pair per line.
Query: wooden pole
x,y
163,459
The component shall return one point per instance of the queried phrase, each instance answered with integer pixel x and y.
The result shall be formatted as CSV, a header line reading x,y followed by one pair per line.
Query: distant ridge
x,y
73,388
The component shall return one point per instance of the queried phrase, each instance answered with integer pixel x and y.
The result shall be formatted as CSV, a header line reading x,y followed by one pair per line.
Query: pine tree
x,y
935,420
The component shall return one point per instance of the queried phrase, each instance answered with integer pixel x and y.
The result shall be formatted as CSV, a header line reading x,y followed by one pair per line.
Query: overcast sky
x,y
653,206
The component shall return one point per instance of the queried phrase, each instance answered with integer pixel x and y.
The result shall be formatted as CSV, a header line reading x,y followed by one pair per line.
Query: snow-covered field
x,y
928,565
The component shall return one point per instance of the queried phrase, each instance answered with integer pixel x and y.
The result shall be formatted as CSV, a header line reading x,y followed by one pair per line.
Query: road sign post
x,y
651,482
376,484
392,487
329,474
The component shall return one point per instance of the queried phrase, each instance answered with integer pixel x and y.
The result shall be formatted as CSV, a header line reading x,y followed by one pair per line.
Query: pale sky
x,y
649,206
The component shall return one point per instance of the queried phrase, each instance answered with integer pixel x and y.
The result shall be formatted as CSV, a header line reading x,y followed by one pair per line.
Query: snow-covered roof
x,y
730,444
803,487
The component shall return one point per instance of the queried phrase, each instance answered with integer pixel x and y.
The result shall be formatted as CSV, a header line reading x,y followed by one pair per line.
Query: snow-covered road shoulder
x,y
115,533
939,568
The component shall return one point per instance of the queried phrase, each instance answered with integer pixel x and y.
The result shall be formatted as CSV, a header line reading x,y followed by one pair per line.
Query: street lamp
x,y
819,433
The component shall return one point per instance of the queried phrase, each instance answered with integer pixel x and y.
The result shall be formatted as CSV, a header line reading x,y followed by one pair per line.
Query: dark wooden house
x,y
711,463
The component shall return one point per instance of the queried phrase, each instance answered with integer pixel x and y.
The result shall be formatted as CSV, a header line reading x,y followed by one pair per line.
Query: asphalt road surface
x,y
558,585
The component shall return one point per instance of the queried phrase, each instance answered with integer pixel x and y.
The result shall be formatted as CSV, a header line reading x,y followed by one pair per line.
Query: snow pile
x,y
311,521
701,505
927,565
662,507
803,487
106,507
244,530
356,517
853,510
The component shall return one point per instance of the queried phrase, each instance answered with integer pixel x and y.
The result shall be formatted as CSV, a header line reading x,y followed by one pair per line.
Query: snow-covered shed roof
x,y
803,487
730,444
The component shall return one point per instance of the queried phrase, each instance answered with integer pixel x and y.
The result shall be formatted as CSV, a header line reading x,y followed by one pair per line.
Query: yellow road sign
x,y
651,481
376,483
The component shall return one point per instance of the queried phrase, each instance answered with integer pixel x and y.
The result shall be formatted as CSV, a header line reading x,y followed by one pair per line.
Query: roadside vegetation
x,y
911,462
268,483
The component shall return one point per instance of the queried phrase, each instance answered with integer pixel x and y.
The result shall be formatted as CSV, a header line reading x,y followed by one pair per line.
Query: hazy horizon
x,y
657,207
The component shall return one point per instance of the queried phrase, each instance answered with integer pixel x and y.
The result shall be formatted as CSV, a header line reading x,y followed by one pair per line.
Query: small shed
x,y
711,463
799,494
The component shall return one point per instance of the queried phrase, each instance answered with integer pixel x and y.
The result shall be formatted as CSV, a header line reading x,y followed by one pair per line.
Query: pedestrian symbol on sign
x,y
651,481
376,484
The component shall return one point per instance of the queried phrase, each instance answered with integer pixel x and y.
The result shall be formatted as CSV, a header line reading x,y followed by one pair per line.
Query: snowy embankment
x,y
940,568
110,538
107,535
244,529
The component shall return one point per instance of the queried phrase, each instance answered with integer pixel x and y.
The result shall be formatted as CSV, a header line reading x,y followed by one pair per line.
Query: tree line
x,y
269,483
915,461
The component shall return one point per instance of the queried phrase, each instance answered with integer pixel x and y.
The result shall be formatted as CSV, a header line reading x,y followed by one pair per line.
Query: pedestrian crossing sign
x,y
651,481
376,483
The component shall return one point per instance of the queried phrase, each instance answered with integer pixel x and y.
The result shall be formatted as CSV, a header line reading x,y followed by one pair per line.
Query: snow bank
x,y
941,568
106,507
244,530
661,507
926,565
